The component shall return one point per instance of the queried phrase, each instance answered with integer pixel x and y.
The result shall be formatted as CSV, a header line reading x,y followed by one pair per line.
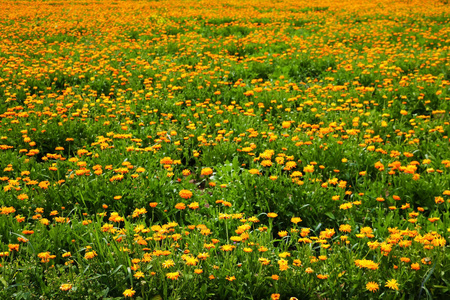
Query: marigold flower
x,y
227,248
345,228
13,247
392,284
272,215
180,206
372,286
129,293
206,171
308,169
173,275
296,220
282,233
194,205
90,255
65,287
168,263
185,194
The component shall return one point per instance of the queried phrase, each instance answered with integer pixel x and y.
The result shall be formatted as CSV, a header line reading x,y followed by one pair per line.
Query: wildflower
x,y
296,220
230,278
308,169
168,263
415,266
90,255
194,205
366,263
264,261
227,248
180,206
282,233
253,171
206,171
392,284
203,256
345,228
309,270
129,293
272,215
191,261
185,194
283,264
372,286
173,275
13,247
286,124
138,275
46,256
65,287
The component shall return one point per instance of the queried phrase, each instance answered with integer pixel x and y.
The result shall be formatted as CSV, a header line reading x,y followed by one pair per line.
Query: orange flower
x,y
275,296
180,206
415,266
272,215
185,194
206,171
296,220
13,247
65,287
372,286
129,293
90,255
173,275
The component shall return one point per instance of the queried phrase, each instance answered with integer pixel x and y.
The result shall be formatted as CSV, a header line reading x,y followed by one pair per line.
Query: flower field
x,y
225,149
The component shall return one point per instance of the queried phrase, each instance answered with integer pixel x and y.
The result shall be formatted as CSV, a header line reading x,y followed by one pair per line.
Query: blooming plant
x,y
224,150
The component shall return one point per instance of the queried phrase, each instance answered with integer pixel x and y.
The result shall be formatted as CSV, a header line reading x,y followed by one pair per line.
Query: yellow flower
x,y
168,263
282,233
90,255
65,287
392,284
296,220
173,275
194,205
129,293
272,215
227,248
308,169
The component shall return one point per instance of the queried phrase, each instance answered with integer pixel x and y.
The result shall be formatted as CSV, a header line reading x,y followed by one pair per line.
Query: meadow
x,y
226,149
